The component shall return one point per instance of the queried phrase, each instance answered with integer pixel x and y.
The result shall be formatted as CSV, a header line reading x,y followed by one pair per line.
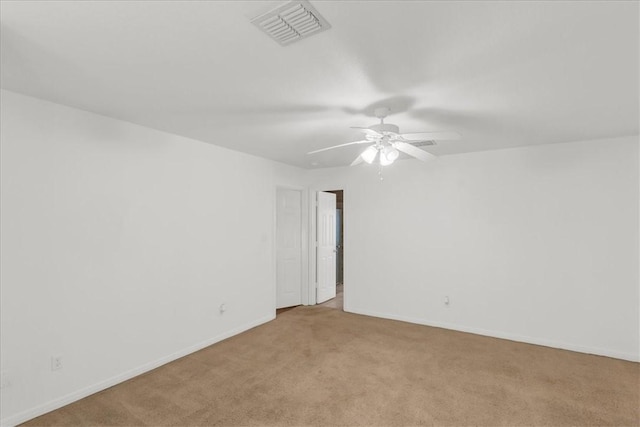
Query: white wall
x,y
119,243
535,244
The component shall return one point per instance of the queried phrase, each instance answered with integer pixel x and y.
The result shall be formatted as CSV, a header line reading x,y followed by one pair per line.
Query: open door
x,y
326,253
288,248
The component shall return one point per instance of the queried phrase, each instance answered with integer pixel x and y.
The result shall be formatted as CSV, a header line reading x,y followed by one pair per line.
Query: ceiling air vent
x,y
422,143
291,22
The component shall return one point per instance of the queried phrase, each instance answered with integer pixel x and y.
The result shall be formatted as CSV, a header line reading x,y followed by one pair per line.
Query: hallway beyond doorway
x,y
338,301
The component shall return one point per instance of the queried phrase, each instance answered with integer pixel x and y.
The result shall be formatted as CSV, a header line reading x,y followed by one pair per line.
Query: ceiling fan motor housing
x,y
385,127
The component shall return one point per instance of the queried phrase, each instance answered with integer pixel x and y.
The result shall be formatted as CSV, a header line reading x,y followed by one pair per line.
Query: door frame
x,y
304,243
312,253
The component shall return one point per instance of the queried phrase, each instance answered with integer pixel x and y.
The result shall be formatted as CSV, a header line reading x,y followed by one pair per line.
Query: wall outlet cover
x,y
56,363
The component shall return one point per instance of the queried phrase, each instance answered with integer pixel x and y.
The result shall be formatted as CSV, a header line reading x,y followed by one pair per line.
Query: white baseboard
x,y
504,335
102,385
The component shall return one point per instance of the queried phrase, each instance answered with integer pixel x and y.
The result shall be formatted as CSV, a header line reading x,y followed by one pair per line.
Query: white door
x,y
288,248
326,253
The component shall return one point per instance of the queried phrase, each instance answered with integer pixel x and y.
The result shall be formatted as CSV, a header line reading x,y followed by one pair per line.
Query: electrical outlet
x,y
5,381
56,363
223,308
447,301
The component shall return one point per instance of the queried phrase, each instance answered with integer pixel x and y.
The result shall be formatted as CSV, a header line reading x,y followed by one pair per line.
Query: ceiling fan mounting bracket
x,y
382,112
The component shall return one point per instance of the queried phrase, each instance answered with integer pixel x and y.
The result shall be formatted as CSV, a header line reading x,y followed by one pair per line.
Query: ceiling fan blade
x,y
357,161
364,141
413,151
369,132
431,136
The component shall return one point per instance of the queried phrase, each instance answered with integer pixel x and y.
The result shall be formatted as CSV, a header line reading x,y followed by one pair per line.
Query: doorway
x,y
338,301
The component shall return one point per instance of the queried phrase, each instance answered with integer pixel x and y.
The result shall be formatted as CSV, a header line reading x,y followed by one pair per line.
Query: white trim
x,y
102,385
311,277
505,335
313,244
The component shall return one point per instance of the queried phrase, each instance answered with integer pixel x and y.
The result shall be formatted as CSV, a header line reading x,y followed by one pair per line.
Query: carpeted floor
x,y
319,366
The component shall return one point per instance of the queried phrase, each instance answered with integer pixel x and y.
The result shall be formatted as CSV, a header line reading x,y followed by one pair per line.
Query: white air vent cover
x,y
291,22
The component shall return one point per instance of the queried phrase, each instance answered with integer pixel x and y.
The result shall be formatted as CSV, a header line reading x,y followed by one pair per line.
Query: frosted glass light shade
x,y
388,155
369,155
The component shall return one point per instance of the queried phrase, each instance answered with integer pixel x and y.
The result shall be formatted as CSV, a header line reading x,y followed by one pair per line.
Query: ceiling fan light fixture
x,y
384,161
388,155
386,139
369,155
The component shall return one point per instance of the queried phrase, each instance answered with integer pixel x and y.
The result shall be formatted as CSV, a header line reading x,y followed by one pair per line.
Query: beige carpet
x,y
318,366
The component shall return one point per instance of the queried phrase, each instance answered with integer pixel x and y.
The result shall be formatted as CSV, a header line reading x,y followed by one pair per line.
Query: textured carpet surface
x,y
318,366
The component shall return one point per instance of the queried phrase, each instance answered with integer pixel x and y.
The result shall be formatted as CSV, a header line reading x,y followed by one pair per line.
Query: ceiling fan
x,y
387,142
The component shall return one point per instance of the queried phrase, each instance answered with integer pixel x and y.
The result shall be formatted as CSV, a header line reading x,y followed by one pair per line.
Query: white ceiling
x,y
502,74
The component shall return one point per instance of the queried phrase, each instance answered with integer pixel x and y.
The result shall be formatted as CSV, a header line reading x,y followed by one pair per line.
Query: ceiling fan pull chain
x,y
380,172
